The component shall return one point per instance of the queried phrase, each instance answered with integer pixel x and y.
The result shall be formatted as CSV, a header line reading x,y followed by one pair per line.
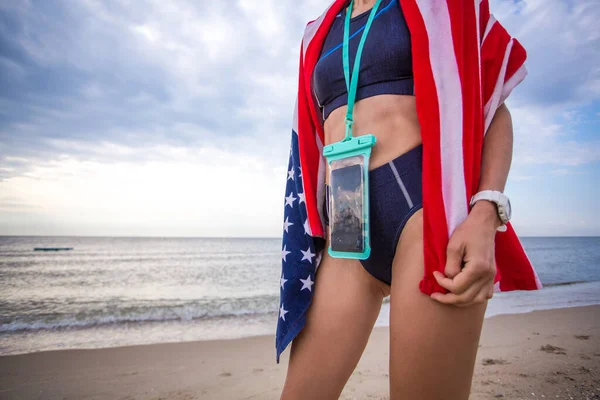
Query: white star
x,y
307,283
283,280
300,169
307,255
282,312
306,227
284,253
289,201
291,174
287,224
302,198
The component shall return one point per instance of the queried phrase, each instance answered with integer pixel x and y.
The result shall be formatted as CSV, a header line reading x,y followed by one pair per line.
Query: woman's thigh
x,y
345,306
432,345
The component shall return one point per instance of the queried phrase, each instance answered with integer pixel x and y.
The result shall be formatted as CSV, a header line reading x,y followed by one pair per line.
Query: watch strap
x,y
487,194
494,196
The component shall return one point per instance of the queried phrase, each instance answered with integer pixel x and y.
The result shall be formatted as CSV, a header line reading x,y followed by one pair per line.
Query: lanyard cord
x,y
352,85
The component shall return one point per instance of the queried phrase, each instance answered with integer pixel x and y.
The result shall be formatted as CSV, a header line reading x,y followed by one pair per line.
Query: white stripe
x,y
309,33
497,286
295,121
449,93
311,30
320,182
514,80
401,184
488,28
318,260
494,100
538,283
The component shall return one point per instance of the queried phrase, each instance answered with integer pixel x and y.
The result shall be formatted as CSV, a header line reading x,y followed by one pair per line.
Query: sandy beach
x,y
543,354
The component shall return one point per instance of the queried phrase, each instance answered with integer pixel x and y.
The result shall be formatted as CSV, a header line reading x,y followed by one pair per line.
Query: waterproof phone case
x,y
349,197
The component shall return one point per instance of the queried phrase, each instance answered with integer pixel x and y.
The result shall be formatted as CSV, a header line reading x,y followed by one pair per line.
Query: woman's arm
x,y
495,165
472,242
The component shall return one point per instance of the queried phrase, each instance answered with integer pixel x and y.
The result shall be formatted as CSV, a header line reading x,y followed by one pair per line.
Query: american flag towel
x,y
465,65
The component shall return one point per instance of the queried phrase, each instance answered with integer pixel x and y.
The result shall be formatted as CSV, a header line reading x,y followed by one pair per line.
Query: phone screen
x,y
346,222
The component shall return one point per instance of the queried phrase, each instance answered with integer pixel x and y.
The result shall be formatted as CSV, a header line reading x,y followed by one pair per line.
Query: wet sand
x,y
544,354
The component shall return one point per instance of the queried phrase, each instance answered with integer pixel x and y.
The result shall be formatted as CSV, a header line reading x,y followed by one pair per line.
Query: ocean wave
x,y
92,315
566,283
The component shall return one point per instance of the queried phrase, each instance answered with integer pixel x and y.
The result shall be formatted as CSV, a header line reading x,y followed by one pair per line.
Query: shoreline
x,y
510,363
139,333
262,336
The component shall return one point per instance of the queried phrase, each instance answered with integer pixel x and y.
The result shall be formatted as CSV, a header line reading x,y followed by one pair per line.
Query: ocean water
x,y
110,292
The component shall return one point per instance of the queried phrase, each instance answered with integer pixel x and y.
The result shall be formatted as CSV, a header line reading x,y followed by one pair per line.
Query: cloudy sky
x,y
173,118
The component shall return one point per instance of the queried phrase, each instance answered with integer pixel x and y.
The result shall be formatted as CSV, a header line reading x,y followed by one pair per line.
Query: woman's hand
x,y
472,243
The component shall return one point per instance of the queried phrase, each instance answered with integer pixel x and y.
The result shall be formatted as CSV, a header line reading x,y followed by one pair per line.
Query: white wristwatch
x,y
502,203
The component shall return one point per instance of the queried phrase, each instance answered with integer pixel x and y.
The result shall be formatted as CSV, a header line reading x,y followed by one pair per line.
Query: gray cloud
x,y
115,80
75,75
562,40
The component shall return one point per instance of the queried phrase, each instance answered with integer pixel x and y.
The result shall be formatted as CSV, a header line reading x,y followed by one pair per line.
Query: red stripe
x,y
435,237
492,54
516,60
517,271
308,151
311,124
313,52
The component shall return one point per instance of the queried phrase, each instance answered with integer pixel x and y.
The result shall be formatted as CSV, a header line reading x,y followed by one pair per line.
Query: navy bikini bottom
x,y
395,194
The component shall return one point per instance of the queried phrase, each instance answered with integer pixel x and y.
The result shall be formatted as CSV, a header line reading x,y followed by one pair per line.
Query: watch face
x,y
508,209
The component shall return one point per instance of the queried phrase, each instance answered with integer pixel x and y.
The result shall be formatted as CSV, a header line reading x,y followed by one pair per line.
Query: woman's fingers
x,y
454,260
478,292
490,292
473,271
473,284
470,268
459,298
460,283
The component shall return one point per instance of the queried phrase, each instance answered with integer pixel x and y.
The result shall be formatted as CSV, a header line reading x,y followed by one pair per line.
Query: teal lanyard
x,y
352,85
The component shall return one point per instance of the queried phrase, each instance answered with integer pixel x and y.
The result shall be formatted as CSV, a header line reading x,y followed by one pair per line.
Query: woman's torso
x,y
390,114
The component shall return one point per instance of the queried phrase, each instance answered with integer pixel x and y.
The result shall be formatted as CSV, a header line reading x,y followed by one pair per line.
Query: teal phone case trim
x,y
356,146
357,256
367,236
360,145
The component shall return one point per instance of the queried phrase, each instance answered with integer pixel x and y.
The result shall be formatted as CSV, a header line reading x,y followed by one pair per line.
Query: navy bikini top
x,y
386,64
